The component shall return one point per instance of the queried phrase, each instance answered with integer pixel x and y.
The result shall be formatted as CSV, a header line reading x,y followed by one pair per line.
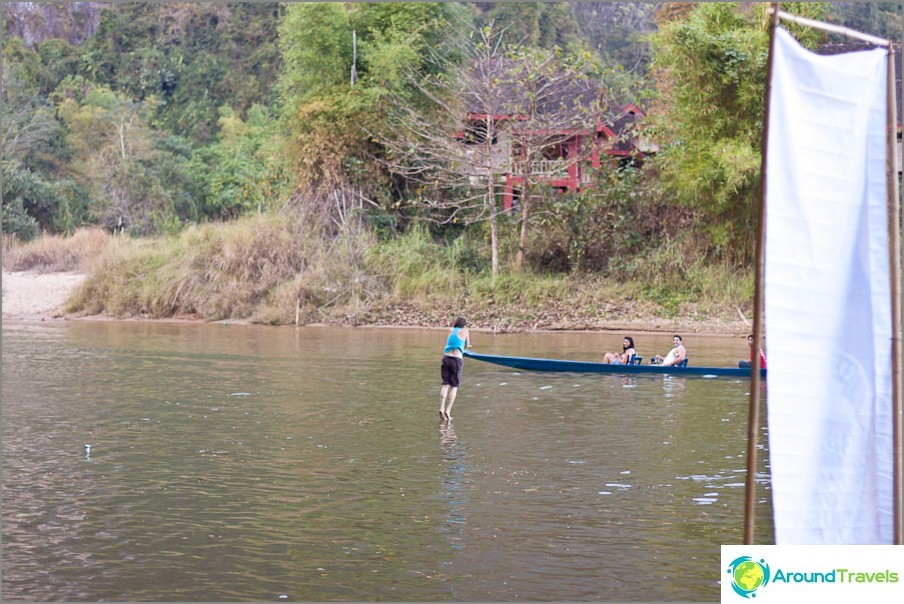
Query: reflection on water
x,y
455,481
219,462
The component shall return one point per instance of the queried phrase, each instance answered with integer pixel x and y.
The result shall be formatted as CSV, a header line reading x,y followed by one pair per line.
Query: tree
x,y
711,69
327,115
37,191
451,146
511,107
618,31
246,172
877,18
553,98
536,24
138,177
193,57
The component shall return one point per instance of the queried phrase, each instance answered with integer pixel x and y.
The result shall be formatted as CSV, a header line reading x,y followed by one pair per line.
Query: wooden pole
x,y
753,410
894,256
846,31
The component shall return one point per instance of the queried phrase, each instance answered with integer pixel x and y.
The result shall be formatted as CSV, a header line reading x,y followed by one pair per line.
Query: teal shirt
x,y
454,341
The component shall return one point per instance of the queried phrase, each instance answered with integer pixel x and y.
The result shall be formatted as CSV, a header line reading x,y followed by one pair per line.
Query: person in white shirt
x,y
677,354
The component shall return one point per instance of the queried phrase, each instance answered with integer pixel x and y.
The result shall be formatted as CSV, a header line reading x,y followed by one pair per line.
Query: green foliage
x,y
316,48
329,119
675,275
584,231
414,267
37,191
246,172
29,200
538,24
618,32
715,65
135,174
881,19
194,57
22,68
16,220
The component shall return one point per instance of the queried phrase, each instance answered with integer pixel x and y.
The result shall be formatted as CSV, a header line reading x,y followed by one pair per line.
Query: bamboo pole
x,y
846,31
753,410
894,256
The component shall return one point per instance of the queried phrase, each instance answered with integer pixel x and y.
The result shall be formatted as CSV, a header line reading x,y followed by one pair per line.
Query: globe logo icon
x,y
748,575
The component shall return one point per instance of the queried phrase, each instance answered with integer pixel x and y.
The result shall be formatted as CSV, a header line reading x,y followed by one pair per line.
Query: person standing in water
x,y
452,364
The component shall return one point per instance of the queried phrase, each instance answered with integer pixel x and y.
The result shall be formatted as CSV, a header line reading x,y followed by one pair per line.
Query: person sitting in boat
x,y
627,353
746,364
677,354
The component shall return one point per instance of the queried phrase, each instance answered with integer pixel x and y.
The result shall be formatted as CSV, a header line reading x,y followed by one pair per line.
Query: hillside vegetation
x,y
242,155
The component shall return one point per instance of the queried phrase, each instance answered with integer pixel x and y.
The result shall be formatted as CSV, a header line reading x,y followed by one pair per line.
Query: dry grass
x,y
266,269
55,253
259,268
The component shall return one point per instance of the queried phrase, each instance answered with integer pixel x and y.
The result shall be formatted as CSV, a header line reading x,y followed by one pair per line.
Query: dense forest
x,y
149,118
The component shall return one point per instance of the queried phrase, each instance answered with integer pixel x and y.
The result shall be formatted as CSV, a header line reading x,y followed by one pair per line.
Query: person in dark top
x,y
623,358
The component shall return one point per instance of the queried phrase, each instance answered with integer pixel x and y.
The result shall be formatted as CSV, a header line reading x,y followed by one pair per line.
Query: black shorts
x,y
451,370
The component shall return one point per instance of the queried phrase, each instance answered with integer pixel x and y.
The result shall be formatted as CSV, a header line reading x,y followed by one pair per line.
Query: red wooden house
x,y
568,163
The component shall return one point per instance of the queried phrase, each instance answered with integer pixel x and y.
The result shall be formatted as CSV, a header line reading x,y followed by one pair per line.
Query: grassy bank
x,y
271,270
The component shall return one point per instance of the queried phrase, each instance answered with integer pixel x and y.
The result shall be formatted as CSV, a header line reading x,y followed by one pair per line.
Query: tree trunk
x,y
494,232
525,219
491,194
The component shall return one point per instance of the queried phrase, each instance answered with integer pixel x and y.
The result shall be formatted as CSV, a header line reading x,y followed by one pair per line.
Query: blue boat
x,y
560,365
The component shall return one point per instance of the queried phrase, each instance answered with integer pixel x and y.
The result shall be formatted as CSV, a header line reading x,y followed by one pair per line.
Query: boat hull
x,y
561,365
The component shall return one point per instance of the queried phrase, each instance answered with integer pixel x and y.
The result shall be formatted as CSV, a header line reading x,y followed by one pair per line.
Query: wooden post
x,y
297,307
894,257
753,410
354,70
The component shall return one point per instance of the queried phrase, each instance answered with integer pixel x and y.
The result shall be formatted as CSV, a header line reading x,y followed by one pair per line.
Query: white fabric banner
x,y
827,299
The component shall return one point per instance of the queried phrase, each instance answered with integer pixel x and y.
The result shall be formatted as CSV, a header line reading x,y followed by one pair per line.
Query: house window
x,y
557,151
628,162
476,134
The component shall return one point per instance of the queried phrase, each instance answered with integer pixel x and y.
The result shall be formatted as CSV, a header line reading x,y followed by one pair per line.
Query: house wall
x,y
499,159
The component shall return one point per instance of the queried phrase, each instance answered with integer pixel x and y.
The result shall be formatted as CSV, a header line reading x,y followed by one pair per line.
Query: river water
x,y
239,463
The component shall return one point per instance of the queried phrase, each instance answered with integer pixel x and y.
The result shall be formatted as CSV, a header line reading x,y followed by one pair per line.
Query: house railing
x,y
547,168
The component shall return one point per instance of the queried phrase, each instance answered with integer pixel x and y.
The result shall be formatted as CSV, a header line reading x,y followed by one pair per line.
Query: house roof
x,y
837,48
501,100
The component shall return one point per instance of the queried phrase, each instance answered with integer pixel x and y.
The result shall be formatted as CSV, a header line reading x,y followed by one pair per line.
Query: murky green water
x,y
235,463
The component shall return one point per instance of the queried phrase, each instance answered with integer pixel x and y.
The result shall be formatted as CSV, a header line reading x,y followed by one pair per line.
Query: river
x,y
253,463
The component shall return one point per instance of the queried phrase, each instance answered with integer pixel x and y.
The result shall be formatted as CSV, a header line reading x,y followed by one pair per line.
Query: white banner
x,y
791,574
827,300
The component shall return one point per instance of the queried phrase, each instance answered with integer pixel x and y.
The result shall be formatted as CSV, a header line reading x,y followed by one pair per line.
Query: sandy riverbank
x,y
28,294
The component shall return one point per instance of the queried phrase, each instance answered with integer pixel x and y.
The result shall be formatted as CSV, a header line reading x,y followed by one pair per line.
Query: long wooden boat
x,y
535,364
